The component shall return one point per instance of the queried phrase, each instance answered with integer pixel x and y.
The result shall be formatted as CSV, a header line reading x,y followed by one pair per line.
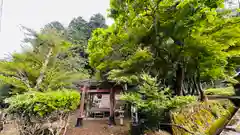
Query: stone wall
x,y
202,118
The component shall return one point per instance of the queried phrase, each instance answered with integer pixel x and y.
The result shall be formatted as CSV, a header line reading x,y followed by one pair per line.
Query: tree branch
x,y
44,67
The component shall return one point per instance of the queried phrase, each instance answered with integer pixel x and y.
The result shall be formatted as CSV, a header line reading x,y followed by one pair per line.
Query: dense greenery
x,y
166,48
153,103
40,68
42,105
33,111
150,98
38,83
183,43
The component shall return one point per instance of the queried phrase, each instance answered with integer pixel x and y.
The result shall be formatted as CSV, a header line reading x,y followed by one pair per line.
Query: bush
x,y
228,91
34,110
154,103
180,101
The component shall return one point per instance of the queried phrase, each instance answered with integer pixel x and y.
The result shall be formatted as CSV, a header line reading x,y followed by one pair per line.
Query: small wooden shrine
x,y
99,99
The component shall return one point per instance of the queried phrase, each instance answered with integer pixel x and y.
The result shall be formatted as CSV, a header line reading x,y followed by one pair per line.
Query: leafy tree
x,y
97,21
78,31
167,39
39,68
54,25
154,103
43,76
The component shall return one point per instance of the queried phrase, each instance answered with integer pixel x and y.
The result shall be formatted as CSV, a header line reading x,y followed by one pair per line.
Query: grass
x,y
228,91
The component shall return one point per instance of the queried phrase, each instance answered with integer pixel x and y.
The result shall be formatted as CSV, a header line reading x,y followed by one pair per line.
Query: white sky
x,y
36,13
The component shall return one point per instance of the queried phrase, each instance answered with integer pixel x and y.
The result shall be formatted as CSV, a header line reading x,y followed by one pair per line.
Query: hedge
x,y
41,104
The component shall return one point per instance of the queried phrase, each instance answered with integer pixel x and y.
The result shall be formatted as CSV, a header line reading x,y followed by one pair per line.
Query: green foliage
x,y
39,104
97,21
54,25
228,91
78,31
36,112
155,97
24,70
156,102
181,101
161,37
193,117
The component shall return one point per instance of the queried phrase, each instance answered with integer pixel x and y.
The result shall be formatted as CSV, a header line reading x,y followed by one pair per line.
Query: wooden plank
x,y
82,102
96,90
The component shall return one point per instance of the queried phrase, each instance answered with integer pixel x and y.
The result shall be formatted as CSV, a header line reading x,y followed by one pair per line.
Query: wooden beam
x,y
81,110
96,90
82,101
112,107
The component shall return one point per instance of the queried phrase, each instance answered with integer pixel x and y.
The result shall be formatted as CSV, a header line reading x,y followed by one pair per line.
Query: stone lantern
x,y
121,115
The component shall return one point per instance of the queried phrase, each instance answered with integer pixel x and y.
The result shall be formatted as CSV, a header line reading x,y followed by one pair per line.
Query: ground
x,y
99,127
91,127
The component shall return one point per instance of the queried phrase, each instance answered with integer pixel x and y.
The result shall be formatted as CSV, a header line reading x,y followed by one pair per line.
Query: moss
x,y
203,118
228,91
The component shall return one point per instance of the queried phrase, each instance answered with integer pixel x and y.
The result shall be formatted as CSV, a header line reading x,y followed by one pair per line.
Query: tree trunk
x,y
195,85
179,80
44,68
183,90
112,107
201,92
193,89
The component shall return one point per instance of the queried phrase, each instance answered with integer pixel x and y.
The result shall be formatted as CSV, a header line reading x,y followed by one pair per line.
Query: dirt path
x,y
90,127
99,127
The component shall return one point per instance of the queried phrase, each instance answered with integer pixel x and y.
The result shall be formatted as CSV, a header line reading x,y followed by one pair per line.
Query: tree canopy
x,y
178,41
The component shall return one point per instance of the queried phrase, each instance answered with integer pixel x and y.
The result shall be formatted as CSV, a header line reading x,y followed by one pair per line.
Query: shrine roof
x,y
96,83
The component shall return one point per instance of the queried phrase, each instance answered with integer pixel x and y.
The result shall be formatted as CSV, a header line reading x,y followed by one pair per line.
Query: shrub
x,y
180,101
36,112
228,91
154,103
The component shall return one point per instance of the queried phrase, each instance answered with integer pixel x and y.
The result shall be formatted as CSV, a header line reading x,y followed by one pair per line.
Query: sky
x,y
36,13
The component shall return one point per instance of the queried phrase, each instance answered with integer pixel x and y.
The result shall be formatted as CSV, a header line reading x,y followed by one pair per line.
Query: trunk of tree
x,y
201,92
195,86
179,80
112,107
190,87
44,68
185,86
183,90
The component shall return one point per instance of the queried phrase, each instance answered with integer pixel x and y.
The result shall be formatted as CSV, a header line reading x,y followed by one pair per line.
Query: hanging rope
x,y
1,12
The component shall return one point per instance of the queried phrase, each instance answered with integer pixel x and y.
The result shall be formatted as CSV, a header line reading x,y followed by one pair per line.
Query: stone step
x,y
233,126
